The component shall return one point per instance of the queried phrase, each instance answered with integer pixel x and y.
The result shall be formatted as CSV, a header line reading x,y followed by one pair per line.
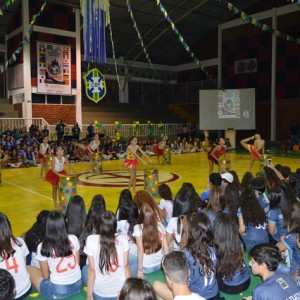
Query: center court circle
x,y
120,178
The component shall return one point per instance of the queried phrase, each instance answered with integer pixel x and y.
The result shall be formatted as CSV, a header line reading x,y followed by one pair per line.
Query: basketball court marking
x,y
27,190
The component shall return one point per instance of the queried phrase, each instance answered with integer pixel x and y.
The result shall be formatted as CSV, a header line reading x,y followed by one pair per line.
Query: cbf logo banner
x,y
95,86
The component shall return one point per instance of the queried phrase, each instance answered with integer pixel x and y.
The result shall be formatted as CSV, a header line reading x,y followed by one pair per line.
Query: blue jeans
x,y
50,290
153,269
97,297
133,264
84,274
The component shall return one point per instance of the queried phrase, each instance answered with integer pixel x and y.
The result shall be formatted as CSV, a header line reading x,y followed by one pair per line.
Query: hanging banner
x,y
54,69
95,86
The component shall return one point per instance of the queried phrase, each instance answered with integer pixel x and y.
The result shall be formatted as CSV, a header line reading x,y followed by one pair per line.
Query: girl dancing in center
x,y
214,154
57,171
132,160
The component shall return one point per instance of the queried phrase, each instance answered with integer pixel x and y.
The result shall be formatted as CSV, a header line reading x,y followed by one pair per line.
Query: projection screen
x,y
227,109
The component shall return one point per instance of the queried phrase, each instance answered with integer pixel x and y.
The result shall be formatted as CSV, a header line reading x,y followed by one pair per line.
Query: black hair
x,y
230,256
128,211
36,233
75,215
231,199
246,180
108,253
236,180
199,240
125,195
164,192
6,239
7,285
100,202
191,194
285,171
56,242
137,289
258,184
268,254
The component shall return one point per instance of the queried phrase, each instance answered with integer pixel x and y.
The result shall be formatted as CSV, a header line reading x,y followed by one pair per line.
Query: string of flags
x,y
180,38
258,24
6,5
140,37
26,38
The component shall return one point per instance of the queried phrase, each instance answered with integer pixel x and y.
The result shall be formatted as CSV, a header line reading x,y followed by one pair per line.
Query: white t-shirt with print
x,y
166,205
109,283
151,260
122,228
172,229
16,266
63,270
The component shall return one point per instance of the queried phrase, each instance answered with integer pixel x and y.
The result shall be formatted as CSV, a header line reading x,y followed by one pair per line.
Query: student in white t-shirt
x,y
126,220
108,260
166,203
13,252
59,275
151,241
177,275
136,288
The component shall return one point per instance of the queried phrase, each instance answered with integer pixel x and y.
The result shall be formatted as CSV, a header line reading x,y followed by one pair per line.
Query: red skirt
x,y
253,152
53,178
129,163
157,151
42,157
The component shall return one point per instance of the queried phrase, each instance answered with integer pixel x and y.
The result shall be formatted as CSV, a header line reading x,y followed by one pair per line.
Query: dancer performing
x,y
257,149
57,172
43,152
90,149
158,149
214,154
131,160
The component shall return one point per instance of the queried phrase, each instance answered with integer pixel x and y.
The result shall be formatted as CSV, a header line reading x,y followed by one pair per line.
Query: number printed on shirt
x,y
208,281
11,264
71,263
114,266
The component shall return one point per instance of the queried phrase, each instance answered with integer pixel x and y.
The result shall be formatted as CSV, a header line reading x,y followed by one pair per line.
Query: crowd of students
x,y
20,147
198,240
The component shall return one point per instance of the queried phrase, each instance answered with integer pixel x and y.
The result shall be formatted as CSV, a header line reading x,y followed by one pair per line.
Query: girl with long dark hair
x,y
126,220
201,258
232,274
230,200
151,241
177,228
125,196
279,214
252,220
100,202
75,216
34,236
166,202
108,260
59,275
214,203
13,252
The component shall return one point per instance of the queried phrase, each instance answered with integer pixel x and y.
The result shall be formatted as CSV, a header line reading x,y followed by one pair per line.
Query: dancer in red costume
x,y
57,172
214,154
158,149
257,149
131,160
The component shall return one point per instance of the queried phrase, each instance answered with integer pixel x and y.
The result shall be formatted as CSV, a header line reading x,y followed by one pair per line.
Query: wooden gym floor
x,y
23,193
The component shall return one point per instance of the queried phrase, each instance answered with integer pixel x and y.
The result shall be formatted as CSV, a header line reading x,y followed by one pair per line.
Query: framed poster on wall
x,y
54,69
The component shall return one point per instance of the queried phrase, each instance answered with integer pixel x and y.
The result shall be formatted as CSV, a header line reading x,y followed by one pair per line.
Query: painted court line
x,y
27,190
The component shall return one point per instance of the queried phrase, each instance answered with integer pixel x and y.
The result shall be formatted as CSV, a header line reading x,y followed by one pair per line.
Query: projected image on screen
x,y
229,104
223,109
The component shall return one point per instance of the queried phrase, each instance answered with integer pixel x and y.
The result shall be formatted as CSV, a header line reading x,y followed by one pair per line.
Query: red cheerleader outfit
x,y
43,153
253,152
157,150
92,147
217,154
58,167
130,161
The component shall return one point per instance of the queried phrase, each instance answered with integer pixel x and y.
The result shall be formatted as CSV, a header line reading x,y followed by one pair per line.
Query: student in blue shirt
x,y
215,179
264,261
232,274
259,186
279,214
289,243
201,258
252,220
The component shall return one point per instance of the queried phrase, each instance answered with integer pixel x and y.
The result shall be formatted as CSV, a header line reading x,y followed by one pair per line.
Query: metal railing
x,y
125,130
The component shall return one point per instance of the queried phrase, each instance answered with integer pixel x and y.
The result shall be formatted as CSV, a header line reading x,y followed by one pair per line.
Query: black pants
x,y
233,290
